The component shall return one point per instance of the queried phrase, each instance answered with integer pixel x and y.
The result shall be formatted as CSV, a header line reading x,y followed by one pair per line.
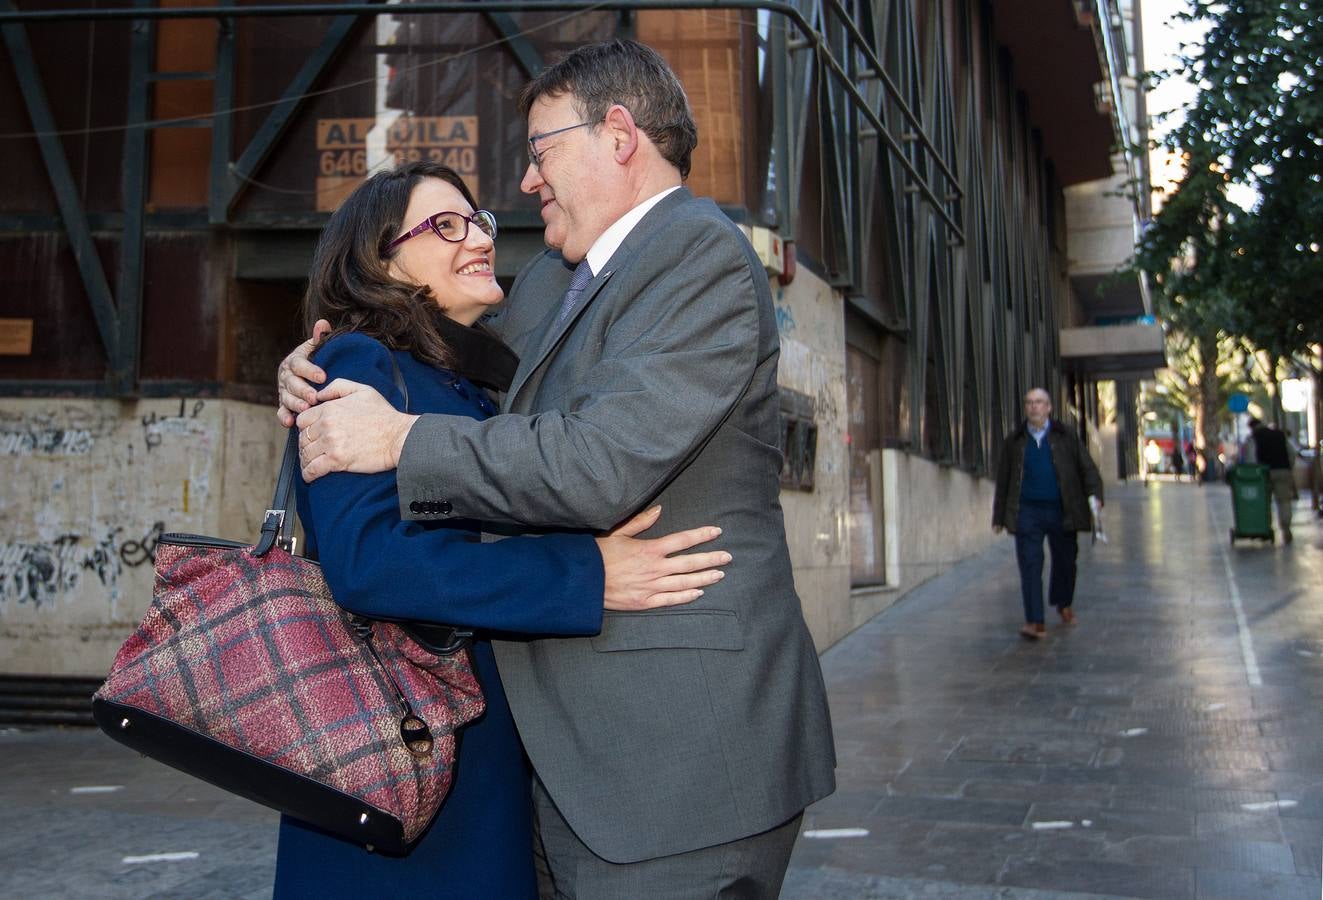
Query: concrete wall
x,y
1100,238
1106,453
87,488
934,517
89,485
811,323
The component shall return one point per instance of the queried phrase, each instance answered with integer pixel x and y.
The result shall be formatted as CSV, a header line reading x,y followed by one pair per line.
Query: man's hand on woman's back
x,y
297,378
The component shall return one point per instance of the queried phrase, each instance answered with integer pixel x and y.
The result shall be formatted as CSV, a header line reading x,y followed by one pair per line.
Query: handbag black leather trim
x,y
249,776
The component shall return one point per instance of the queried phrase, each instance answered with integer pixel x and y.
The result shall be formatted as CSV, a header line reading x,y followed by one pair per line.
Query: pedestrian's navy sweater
x,y
1039,484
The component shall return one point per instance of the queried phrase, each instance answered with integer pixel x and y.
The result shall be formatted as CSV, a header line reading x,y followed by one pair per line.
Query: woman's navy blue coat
x,y
481,842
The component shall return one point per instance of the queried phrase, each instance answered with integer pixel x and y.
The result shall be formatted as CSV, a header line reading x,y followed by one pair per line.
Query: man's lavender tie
x,y
582,275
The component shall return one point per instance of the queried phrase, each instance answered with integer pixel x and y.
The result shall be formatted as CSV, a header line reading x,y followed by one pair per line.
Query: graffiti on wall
x,y
82,517
52,432
46,442
785,316
142,550
156,426
35,572
64,474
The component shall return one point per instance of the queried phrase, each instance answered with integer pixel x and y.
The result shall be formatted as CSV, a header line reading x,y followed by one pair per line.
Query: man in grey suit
x,y
676,750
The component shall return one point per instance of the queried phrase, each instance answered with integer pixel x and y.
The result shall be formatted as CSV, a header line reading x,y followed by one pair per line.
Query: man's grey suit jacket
x,y
689,726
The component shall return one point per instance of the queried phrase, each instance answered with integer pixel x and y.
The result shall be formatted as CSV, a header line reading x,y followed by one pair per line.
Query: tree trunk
x,y
1205,412
1316,465
1318,398
1278,413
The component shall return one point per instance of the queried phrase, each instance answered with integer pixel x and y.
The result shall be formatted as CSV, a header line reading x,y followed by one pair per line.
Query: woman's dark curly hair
x,y
350,284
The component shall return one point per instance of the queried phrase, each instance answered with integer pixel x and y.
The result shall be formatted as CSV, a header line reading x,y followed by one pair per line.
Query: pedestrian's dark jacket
x,y
1077,477
1270,448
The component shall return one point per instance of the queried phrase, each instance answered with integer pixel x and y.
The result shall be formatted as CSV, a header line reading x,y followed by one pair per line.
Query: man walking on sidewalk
x,y
1045,478
1269,447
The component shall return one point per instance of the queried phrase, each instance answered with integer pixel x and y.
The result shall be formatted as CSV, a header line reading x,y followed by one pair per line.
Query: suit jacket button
x,y
445,507
415,507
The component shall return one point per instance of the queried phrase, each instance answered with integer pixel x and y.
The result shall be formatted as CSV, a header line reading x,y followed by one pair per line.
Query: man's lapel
x,y
549,333
554,331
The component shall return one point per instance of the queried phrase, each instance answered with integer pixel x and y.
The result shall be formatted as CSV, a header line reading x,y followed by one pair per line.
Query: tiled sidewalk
x,y
1127,756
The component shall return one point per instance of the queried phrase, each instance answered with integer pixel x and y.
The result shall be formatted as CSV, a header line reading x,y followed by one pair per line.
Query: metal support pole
x,y
778,77
137,155
283,112
222,124
897,97
62,184
525,54
347,11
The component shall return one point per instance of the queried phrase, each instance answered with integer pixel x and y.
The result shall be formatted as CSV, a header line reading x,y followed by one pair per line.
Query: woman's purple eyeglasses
x,y
452,227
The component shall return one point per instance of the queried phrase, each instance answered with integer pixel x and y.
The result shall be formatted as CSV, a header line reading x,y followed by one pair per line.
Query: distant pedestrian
x,y
1316,480
1177,461
1045,478
1192,461
1152,459
1269,447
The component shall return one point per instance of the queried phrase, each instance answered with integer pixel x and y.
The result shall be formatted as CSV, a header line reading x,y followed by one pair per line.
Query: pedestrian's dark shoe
x,y
1067,615
1287,537
1032,632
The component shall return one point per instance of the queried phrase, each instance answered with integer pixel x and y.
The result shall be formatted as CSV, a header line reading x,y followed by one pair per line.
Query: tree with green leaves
x,y
1185,249
1256,124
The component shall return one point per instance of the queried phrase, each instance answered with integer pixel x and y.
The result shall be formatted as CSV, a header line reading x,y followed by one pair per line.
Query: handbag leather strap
x,y
278,524
278,521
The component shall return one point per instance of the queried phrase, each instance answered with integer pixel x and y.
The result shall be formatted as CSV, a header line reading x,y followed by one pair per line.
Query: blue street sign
x,y
1238,403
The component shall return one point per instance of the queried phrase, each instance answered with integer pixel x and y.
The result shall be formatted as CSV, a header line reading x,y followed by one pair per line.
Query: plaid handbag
x,y
245,673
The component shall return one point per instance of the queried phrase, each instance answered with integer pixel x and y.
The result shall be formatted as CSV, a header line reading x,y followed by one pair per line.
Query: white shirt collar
x,y
1037,433
600,253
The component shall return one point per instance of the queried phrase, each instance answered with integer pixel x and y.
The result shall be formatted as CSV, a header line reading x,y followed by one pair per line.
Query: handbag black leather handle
x,y
278,525
278,521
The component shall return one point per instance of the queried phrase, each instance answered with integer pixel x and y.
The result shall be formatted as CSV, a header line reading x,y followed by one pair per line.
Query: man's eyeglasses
x,y
450,226
534,157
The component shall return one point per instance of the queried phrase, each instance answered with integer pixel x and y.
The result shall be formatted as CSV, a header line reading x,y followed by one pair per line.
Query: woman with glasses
x,y
403,272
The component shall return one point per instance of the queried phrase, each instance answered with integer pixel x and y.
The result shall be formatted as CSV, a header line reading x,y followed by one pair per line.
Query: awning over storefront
x,y
1112,296
1055,63
1114,351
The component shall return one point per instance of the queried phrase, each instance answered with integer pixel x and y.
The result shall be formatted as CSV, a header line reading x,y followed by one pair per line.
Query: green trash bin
x,y
1251,502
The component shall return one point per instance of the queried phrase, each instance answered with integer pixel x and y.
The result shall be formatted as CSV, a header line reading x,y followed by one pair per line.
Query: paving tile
x,y
941,809
1213,884
1304,803
1241,826
242,851
1030,773
1310,761
917,785
953,736
843,809
1047,749
1097,795
1308,855
837,884
1140,722
1071,775
1155,796
1118,824
1249,856
1295,828
1273,782
1159,883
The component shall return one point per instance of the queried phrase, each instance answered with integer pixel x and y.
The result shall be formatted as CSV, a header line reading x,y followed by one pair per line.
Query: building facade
x,y
931,185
